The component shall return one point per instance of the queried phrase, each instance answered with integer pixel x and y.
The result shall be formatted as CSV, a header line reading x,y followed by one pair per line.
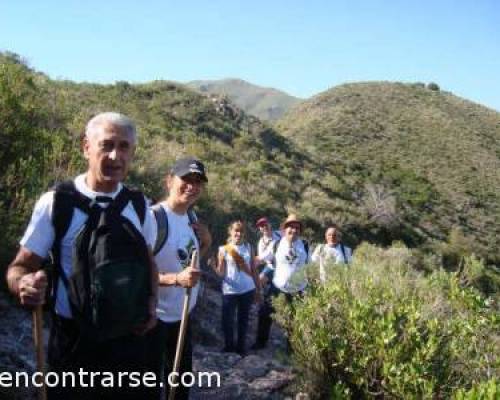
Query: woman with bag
x,y
240,285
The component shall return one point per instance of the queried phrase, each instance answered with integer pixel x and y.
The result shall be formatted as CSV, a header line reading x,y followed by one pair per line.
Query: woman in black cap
x,y
178,235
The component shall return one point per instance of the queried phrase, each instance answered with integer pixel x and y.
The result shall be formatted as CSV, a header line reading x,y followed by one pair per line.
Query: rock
x,y
262,374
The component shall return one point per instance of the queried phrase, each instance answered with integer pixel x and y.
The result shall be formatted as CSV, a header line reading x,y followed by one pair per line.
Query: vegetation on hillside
x,y
386,161
380,329
252,170
404,161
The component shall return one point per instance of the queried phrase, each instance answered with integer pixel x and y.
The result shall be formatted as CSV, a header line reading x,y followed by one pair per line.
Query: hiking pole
x,y
38,342
182,330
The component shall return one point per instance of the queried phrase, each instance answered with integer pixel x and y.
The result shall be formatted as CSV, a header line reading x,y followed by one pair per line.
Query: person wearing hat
x,y
290,255
333,251
184,183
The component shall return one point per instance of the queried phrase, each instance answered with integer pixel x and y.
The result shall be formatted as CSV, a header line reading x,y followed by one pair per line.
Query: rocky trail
x,y
262,374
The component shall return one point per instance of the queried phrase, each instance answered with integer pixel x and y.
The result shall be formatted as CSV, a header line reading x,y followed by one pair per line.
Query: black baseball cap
x,y
189,165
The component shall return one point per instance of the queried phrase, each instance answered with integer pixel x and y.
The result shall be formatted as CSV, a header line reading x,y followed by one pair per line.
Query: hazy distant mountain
x,y
265,103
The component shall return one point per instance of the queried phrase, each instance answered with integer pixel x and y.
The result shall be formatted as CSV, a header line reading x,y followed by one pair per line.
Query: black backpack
x,y
110,283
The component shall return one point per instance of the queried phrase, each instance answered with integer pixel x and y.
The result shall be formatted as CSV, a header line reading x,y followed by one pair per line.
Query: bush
x,y
433,86
382,329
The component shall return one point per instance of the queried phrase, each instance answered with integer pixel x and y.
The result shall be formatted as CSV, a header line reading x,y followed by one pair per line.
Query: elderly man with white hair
x,y
99,235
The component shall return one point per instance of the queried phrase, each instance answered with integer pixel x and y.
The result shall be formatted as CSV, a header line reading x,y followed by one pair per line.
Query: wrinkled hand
x,y
189,277
32,288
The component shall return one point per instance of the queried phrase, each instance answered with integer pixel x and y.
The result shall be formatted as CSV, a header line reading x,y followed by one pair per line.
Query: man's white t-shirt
x,y
40,234
290,261
265,248
173,257
324,253
236,281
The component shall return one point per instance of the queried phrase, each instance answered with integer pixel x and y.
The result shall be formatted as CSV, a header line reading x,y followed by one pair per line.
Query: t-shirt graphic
x,y
291,256
185,253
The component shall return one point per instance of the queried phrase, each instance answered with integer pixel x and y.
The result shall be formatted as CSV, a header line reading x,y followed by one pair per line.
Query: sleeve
x,y
149,229
316,254
40,235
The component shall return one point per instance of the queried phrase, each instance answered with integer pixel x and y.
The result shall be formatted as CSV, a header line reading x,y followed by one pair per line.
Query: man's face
x,y
292,231
185,190
331,236
109,150
265,229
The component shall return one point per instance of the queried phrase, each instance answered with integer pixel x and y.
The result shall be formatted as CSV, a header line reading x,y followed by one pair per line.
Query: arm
x,y
25,279
220,268
187,278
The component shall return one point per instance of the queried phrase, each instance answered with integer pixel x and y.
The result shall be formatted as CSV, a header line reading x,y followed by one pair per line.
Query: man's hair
x,y
113,118
337,230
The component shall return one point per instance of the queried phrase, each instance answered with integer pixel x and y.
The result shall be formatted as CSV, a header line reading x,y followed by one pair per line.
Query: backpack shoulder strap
x,y
66,199
161,218
343,253
305,243
275,246
62,209
193,219
137,199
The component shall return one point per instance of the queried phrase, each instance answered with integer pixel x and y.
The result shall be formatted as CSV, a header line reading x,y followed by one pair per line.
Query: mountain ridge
x,y
266,103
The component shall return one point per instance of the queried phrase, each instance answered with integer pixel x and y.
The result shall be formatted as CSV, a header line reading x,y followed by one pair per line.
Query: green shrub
x,y
489,390
433,86
379,328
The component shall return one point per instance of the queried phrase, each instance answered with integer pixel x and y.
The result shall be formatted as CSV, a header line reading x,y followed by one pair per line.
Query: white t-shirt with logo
x,y
290,259
237,281
173,257
40,234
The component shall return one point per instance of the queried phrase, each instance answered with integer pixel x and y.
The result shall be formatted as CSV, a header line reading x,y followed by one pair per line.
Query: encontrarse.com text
x,y
84,379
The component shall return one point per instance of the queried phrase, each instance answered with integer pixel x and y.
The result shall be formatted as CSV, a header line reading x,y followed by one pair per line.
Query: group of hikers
x,y
120,269
275,268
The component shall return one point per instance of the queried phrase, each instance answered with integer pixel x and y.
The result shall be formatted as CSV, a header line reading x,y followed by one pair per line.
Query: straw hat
x,y
292,218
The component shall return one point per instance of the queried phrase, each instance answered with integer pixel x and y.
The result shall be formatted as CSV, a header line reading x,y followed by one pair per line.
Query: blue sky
x,y
301,47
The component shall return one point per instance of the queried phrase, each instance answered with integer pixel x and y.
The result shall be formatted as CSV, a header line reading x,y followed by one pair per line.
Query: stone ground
x,y
263,374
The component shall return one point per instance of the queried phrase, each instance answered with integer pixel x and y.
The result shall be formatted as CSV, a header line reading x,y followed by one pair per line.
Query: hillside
x,y
267,104
411,158
387,161
42,120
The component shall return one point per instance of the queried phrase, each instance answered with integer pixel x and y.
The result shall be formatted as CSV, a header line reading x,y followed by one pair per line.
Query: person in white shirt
x,y
240,285
265,248
290,256
108,146
332,252
185,183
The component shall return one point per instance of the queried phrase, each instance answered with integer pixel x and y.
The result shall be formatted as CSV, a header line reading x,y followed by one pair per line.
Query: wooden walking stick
x,y
182,330
38,342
